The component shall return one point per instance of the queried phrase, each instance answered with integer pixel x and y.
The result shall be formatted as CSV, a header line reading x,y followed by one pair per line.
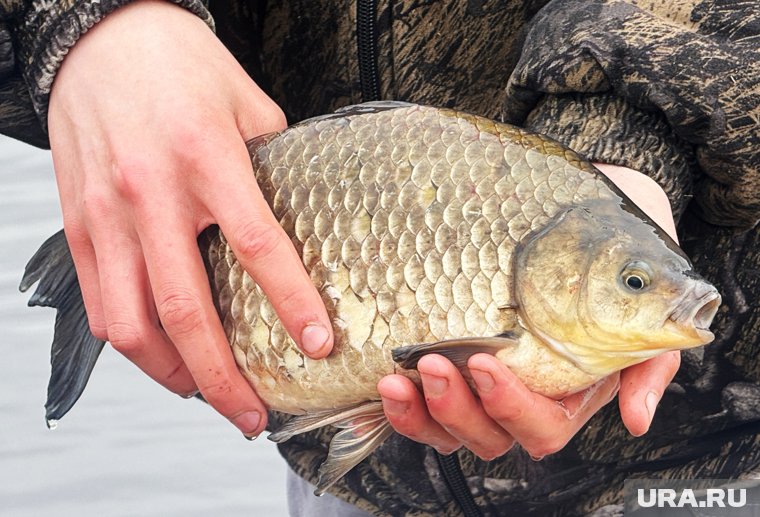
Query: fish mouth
x,y
698,315
705,313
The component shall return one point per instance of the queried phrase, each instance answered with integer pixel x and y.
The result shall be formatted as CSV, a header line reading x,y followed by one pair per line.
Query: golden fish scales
x,y
406,220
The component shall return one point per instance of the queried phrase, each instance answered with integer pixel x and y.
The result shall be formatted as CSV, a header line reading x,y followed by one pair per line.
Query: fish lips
x,y
696,316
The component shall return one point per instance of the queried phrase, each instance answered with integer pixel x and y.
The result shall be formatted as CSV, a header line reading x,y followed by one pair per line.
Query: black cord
x,y
454,477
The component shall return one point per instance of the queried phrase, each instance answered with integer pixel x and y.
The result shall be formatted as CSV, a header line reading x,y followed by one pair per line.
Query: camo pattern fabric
x,y
667,87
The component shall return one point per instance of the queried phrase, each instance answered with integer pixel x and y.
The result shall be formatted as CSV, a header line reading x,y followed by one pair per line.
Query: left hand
x,y
505,411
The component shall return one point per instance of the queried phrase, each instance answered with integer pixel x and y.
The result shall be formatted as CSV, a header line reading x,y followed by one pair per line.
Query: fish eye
x,y
635,282
636,275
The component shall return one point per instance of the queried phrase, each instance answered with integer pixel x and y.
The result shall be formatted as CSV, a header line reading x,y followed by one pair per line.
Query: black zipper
x,y
366,38
454,477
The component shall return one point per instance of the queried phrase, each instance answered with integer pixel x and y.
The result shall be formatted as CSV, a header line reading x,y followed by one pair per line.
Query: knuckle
x,y
129,177
97,204
447,449
492,449
217,391
411,433
407,428
96,322
180,312
274,119
257,241
414,432
190,138
269,118
546,447
506,412
76,232
188,132
290,301
498,452
99,330
125,337
488,454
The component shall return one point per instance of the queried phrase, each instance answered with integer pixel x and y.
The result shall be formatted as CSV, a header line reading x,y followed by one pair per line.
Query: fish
x,y
425,230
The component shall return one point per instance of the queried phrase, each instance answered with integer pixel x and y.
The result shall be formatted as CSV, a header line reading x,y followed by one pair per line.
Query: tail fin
x,y
75,350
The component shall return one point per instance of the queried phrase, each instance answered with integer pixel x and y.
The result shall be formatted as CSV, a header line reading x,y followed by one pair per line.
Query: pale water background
x,y
129,447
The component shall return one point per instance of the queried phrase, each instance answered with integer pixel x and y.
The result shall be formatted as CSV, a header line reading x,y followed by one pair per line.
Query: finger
x,y
541,425
452,404
65,154
406,411
86,265
641,388
582,403
183,301
261,114
266,252
131,320
645,193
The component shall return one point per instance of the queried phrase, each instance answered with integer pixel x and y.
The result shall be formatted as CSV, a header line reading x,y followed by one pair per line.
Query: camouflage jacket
x,y
668,88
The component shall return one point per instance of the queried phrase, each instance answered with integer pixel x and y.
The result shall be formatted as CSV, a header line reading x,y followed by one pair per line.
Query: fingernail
x,y
651,402
483,380
314,337
248,423
395,407
434,386
536,458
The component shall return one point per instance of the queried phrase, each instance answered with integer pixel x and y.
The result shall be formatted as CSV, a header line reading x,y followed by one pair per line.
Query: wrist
x,y
50,30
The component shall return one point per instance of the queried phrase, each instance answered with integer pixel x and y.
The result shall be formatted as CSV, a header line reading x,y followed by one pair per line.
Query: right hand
x,y
148,120
447,415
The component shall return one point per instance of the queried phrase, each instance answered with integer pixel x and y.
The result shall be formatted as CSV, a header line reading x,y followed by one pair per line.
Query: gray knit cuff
x,y
607,129
50,29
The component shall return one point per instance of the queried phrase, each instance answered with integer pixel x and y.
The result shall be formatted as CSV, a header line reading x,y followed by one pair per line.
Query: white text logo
x,y
707,498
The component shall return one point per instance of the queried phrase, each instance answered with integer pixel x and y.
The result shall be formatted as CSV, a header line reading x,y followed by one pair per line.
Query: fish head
x,y
606,289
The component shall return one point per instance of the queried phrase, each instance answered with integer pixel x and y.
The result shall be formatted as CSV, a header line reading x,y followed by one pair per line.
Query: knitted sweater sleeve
x,y
670,88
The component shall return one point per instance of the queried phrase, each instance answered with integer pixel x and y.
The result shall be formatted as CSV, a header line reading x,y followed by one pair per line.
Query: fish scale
x,y
406,247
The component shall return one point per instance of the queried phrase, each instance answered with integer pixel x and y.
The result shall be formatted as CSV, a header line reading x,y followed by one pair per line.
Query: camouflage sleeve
x,y
35,36
671,88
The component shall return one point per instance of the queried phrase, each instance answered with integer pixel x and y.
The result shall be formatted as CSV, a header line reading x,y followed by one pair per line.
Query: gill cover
x,y
551,270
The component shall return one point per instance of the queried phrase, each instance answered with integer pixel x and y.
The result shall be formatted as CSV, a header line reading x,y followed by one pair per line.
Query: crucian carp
x,y
425,230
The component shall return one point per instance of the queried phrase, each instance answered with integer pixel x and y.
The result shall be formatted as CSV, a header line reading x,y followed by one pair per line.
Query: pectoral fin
x,y
363,428
458,351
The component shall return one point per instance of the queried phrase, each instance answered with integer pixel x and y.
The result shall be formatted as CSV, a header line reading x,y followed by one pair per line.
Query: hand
x,y
505,411
148,120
